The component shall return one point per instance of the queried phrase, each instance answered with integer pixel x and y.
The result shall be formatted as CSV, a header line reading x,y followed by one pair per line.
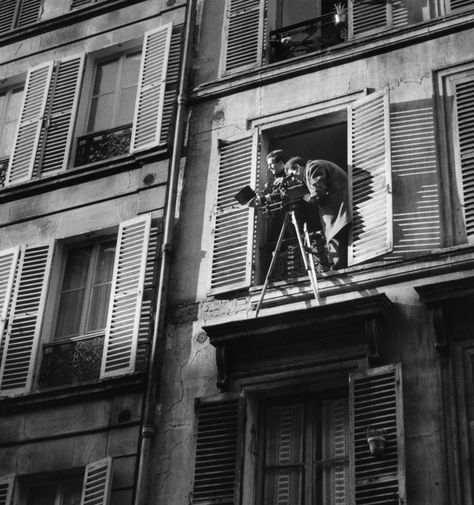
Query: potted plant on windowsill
x,y
340,15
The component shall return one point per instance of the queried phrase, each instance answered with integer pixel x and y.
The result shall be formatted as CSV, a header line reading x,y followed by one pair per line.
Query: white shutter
x,y
243,34
29,128
454,5
464,96
57,132
336,451
8,263
376,402
7,15
29,12
6,490
234,224
123,322
151,89
79,3
24,325
97,483
366,18
370,177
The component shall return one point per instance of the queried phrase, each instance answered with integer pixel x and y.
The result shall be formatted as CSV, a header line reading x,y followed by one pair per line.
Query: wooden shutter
x,y
416,211
29,12
30,124
7,14
97,483
370,177
6,490
218,452
366,18
79,3
284,463
24,325
151,89
8,263
376,401
234,224
57,132
459,4
464,96
123,322
336,452
243,34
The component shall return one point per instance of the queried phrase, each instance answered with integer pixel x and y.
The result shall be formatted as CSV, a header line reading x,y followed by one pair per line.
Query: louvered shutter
x,y
459,4
24,325
79,3
6,490
7,15
336,452
416,211
97,483
464,96
234,224
218,452
30,124
370,177
151,89
376,402
123,322
8,263
29,12
57,132
366,18
284,469
243,34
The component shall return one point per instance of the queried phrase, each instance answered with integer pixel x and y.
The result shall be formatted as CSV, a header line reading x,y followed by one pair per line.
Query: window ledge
x,y
73,176
362,47
51,397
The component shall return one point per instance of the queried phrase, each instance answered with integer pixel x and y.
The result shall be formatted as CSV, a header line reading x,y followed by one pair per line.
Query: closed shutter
x,y
58,124
336,452
29,12
459,4
464,93
31,120
376,402
243,35
80,3
218,452
97,483
24,325
7,15
284,463
151,89
233,231
370,177
6,490
416,212
366,18
8,263
123,322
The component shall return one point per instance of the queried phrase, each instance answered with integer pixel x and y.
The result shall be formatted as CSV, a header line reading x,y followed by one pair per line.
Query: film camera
x,y
285,194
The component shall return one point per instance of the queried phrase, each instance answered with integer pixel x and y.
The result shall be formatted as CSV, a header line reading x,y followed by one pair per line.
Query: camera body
x,y
284,193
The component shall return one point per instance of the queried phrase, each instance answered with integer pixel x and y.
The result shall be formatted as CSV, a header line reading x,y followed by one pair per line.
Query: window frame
x,y
26,484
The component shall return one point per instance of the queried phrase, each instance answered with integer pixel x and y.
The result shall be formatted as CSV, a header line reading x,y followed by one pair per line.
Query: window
x,y
305,450
18,13
88,314
62,492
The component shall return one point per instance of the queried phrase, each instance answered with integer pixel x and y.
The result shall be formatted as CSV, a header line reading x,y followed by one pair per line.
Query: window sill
x,y
362,47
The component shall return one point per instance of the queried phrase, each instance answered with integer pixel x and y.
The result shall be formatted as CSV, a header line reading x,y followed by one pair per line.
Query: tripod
x,y
308,260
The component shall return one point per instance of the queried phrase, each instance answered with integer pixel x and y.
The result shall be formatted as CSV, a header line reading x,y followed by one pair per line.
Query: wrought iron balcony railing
x,y
302,38
71,362
103,145
3,171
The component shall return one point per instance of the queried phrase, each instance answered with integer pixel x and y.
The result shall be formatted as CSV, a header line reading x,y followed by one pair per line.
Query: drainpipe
x,y
157,344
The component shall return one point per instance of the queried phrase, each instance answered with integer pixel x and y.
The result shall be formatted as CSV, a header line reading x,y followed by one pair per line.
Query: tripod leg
x,y
272,263
311,273
311,263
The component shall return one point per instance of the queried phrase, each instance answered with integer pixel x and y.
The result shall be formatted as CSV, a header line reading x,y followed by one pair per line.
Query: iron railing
x,y
306,37
103,145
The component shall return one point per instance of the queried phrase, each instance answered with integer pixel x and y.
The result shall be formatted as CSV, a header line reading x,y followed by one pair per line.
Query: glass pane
x,y
69,314
105,263
101,116
106,77
41,495
283,487
127,106
131,68
14,105
77,266
296,11
99,306
72,493
8,137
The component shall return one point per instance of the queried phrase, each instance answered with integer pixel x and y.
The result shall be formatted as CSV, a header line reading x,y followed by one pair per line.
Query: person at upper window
x,y
328,192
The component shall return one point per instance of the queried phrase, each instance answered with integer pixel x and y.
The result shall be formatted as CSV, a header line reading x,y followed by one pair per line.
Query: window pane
x,y
106,77
14,105
10,105
77,265
72,493
296,11
101,116
41,495
283,487
131,67
127,106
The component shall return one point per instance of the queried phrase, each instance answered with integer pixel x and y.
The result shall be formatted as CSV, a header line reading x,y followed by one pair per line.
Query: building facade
x,y
280,406
88,115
